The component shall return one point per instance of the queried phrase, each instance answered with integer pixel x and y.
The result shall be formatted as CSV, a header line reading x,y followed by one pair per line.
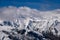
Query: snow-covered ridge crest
x,y
10,13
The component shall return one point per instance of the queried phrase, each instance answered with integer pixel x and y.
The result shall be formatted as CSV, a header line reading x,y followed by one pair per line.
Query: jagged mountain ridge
x,y
33,24
34,28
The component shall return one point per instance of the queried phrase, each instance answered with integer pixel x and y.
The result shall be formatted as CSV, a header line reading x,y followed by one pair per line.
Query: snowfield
x,y
24,23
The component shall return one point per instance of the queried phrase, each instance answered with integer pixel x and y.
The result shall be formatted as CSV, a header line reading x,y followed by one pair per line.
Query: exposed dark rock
x,y
1,24
21,31
50,35
7,23
33,34
5,32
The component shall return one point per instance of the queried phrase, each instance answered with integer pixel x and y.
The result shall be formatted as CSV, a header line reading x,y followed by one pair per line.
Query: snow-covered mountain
x,y
24,23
